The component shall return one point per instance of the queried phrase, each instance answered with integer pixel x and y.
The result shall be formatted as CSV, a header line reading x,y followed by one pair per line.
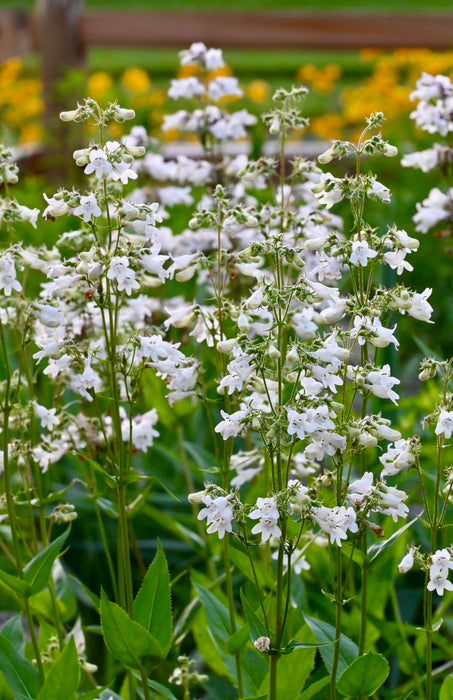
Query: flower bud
x,y
263,644
70,116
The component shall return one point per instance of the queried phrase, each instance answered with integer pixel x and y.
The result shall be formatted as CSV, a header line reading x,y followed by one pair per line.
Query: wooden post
x,y
61,49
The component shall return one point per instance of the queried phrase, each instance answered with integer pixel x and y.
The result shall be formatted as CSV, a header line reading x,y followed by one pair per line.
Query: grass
x,y
377,6
250,64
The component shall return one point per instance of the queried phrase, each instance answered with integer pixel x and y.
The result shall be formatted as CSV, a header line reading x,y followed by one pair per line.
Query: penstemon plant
x,y
221,319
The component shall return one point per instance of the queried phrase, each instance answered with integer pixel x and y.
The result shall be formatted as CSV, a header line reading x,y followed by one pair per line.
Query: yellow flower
x,y
31,132
327,126
98,84
258,91
136,80
189,70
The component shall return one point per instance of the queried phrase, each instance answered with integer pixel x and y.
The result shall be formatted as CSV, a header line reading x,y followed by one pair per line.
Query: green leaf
x,y
20,675
242,562
218,617
314,688
294,644
38,570
15,583
364,676
446,689
152,605
237,640
63,678
257,627
13,632
326,633
126,640
377,548
109,479
161,689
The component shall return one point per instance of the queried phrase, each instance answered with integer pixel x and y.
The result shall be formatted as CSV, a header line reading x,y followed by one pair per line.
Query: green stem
x,y
229,589
338,612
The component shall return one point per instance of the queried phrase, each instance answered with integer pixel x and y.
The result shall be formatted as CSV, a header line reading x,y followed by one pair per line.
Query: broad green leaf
x,y
152,605
326,633
257,627
221,664
63,678
446,689
293,670
20,675
15,583
237,640
314,688
13,632
38,570
364,676
217,616
126,640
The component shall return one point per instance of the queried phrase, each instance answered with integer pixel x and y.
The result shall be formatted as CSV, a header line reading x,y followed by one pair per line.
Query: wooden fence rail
x,y
20,33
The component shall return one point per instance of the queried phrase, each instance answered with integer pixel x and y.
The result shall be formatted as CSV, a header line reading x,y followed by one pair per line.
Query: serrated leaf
x,y
364,676
326,633
38,570
16,584
152,605
218,617
126,640
256,625
63,678
20,675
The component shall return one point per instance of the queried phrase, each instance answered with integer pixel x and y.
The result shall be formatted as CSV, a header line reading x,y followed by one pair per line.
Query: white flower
x,y
223,86
399,457
218,514
361,252
407,562
268,528
8,280
124,276
444,423
263,644
231,425
438,580
88,207
99,164
47,416
380,383
420,308
55,207
336,521
265,508
360,489
186,88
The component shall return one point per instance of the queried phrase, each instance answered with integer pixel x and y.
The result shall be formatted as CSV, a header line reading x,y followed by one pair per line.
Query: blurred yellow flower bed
x,y
386,87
